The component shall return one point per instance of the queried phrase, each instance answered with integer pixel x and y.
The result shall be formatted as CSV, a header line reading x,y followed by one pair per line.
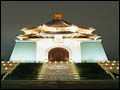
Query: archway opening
x,y
58,54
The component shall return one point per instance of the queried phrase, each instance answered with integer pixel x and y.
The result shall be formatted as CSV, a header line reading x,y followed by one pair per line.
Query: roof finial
x,y
58,16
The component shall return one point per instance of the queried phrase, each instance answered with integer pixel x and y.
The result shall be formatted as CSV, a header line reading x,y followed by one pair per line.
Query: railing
x,y
8,67
109,67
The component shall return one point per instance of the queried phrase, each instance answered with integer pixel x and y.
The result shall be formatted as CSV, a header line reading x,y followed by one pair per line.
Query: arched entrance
x,y
58,54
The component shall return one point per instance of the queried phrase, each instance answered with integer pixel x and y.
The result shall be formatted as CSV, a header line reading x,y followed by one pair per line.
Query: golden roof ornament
x,y
58,16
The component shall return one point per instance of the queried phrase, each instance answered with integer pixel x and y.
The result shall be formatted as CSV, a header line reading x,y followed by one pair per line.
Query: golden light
x,y
10,64
108,61
49,62
6,68
55,61
113,64
61,61
106,64
67,62
117,67
111,67
4,64
114,61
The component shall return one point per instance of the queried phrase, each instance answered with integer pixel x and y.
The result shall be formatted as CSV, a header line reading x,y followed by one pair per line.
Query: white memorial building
x,y
58,40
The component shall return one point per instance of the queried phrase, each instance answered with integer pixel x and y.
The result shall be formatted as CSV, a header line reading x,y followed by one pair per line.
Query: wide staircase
x,y
58,71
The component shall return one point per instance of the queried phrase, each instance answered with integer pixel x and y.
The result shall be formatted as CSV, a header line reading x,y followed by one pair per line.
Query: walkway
x,y
58,71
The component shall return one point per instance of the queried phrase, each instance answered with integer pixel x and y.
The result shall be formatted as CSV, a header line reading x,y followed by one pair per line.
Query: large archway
x,y
58,54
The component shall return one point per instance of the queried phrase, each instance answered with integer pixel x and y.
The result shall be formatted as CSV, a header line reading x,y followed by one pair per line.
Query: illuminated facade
x,y
58,40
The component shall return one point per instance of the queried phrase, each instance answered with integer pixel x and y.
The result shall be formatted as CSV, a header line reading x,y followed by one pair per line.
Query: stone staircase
x,y
58,71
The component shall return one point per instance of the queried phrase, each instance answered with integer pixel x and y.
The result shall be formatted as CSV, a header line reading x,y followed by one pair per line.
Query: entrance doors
x,y
58,54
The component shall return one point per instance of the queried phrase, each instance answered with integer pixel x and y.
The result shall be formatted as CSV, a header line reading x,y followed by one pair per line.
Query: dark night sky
x,y
102,15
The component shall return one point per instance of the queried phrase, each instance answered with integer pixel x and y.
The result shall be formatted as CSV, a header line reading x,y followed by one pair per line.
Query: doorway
x,y
58,54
